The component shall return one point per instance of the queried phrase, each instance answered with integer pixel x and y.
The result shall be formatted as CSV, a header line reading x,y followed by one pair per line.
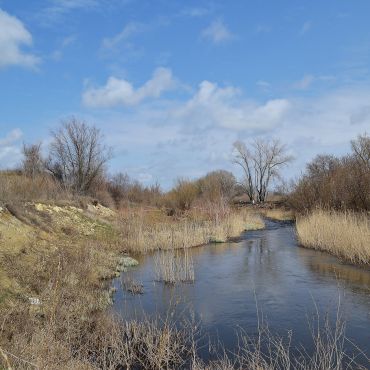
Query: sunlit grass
x,y
346,235
142,232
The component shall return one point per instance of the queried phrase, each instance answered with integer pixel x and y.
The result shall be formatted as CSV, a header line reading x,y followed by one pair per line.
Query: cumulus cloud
x,y
193,135
10,148
14,35
217,32
223,107
121,92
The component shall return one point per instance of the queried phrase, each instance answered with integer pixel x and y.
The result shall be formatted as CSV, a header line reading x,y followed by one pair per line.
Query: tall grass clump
x,y
344,234
279,214
174,266
17,187
145,230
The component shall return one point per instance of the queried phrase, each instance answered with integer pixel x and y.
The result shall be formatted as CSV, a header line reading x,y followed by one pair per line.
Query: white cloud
x,y
129,30
222,106
198,132
121,92
10,149
13,35
217,32
190,137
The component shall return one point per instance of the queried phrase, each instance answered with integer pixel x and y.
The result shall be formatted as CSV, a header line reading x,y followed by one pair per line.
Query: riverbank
x,y
343,234
56,264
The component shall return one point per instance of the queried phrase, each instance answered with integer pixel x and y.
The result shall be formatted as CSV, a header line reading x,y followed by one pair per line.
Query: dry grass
x,y
267,351
174,266
279,214
65,325
346,235
17,187
130,285
110,343
147,230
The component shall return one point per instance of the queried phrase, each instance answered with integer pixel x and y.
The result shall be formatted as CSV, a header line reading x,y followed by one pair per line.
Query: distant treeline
x,y
75,168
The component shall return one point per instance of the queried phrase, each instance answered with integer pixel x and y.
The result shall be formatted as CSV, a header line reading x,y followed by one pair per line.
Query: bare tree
x,y
261,162
268,158
243,157
361,149
32,163
77,155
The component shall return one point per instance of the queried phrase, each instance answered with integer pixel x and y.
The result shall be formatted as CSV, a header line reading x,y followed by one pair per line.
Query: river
x,y
266,272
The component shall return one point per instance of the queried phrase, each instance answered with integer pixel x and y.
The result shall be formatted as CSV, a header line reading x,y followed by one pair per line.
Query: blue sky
x,y
172,84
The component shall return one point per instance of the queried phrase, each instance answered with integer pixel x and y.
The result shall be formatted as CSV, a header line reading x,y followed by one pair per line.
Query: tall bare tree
x,y
268,157
361,149
78,155
261,162
243,157
33,162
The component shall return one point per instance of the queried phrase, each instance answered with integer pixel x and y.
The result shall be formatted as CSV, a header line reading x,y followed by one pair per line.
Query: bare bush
x,y
217,185
33,163
77,155
125,191
337,183
183,195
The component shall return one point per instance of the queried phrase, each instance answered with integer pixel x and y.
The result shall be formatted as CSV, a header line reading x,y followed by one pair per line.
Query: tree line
x,y
77,160
331,182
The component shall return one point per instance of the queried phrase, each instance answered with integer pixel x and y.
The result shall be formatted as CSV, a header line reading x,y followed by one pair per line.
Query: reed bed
x,y
141,232
344,234
279,214
155,344
174,266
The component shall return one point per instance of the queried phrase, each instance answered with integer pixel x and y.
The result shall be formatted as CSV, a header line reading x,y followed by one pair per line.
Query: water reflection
x,y
266,268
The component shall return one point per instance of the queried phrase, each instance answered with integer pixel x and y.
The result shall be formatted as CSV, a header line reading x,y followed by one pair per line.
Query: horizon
x,y
171,86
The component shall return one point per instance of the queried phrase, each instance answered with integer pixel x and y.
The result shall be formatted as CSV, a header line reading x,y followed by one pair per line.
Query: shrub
x,y
338,183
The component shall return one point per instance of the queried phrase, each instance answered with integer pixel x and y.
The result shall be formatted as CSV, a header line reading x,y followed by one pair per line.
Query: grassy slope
x,y
33,235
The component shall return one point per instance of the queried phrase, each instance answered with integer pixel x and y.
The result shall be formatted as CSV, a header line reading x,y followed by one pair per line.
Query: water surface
x,y
265,269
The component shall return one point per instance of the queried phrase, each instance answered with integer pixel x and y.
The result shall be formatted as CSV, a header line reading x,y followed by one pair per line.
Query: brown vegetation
x,y
174,266
279,214
57,256
145,229
336,183
344,234
261,162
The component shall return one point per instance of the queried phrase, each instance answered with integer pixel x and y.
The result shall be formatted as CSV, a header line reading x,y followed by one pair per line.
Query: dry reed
x,y
174,266
279,214
344,234
141,233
